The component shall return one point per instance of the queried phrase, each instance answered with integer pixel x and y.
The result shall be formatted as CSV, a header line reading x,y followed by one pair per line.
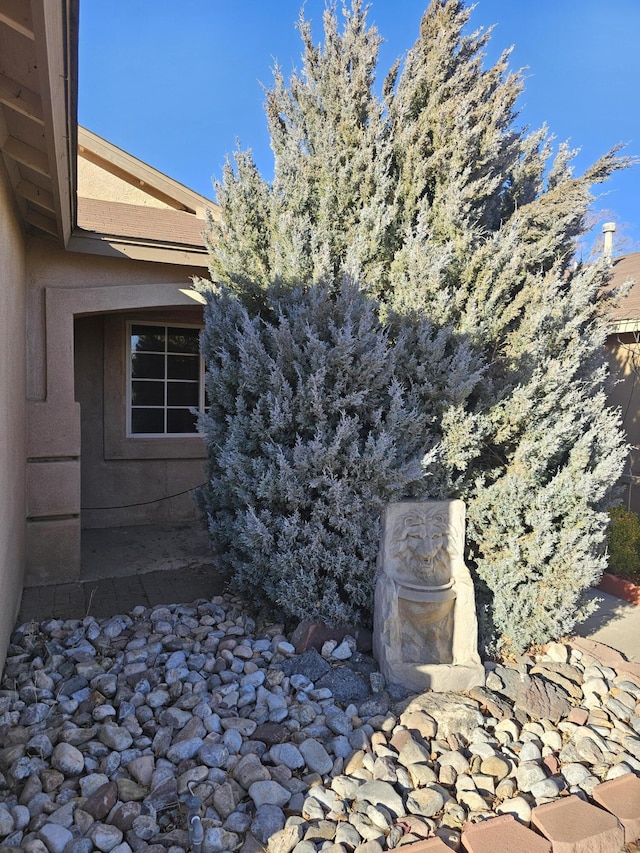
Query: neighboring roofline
x,y
619,327
625,316
140,174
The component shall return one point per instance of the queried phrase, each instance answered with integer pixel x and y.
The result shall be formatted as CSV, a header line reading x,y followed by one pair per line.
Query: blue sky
x,y
176,84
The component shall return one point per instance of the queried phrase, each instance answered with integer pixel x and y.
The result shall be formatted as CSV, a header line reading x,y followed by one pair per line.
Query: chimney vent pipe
x,y
608,229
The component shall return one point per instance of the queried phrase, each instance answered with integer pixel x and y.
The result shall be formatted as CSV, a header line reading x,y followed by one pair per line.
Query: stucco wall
x,y
121,475
63,287
53,269
12,413
96,182
623,352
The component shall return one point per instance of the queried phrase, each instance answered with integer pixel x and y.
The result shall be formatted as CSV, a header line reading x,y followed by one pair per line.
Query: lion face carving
x,y
420,543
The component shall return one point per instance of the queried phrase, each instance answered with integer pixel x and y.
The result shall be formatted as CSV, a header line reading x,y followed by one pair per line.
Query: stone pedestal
x,y
425,626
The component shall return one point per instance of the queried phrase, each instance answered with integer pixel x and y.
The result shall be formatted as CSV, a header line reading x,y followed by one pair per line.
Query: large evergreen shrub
x,y
478,373
315,424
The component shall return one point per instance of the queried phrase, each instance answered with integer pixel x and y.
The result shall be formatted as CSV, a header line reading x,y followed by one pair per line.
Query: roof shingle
x,y
115,219
625,268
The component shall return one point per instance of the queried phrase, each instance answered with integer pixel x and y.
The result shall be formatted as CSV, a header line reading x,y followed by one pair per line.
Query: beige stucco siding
x,y
12,413
64,288
54,275
121,475
95,182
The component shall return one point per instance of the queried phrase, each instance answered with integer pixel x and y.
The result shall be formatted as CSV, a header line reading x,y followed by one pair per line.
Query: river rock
x,y
67,759
105,836
284,840
527,774
287,754
185,749
269,793
101,801
141,769
381,793
56,837
7,823
145,826
180,698
250,769
269,819
316,757
425,802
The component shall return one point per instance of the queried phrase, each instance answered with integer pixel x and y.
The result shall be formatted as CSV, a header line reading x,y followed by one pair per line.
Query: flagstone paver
x,y
503,835
574,826
621,797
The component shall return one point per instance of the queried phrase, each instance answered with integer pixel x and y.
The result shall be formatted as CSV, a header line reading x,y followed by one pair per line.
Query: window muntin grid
x,y
166,380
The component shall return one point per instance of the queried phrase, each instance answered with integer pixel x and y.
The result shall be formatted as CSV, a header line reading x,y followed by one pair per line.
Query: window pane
x,y
147,420
181,420
183,394
148,338
165,379
146,366
183,340
183,367
147,393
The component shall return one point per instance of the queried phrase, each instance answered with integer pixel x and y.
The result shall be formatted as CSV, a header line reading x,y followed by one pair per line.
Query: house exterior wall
x,y
623,353
120,475
62,287
12,412
96,182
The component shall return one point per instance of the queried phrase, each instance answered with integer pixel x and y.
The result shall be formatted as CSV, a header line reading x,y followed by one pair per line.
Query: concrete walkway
x,y
126,566
123,551
108,596
616,624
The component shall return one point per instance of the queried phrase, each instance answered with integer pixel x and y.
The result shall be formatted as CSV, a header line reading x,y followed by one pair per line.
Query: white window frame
x,y
201,385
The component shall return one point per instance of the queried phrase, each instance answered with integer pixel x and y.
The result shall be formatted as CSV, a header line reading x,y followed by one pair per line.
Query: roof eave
x,y
182,254
56,39
620,327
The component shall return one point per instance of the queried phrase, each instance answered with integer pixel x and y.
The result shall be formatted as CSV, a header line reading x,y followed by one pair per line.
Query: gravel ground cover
x,y
108,726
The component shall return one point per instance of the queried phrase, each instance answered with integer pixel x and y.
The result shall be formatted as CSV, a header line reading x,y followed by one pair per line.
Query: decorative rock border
x,y
106,726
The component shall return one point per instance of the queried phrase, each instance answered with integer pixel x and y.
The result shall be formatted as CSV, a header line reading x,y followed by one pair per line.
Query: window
x,y
166,380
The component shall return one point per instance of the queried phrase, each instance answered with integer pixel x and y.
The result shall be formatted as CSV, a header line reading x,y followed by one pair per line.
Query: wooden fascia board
x,y
125,165
55,28
20,99
100,244
619,327
15,14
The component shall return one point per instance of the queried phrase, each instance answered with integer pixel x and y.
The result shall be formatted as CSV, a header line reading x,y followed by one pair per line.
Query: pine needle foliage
x,y
399,314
